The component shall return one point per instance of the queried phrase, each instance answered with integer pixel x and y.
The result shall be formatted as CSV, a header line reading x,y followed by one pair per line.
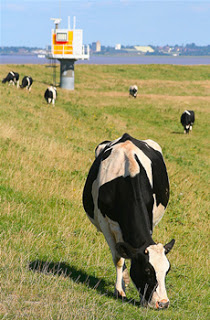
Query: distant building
x,y
144,49
118,46
96,46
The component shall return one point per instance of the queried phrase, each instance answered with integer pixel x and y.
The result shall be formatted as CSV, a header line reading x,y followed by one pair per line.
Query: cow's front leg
x,y
120,283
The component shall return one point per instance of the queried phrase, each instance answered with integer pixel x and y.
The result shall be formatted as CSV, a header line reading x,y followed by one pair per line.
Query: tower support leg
x,y
67,74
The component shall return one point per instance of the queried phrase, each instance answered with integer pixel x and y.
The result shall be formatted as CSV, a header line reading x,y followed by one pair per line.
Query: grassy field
x,y
54,264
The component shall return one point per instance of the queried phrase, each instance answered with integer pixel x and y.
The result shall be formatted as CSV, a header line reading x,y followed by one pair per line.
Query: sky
x,y
127,22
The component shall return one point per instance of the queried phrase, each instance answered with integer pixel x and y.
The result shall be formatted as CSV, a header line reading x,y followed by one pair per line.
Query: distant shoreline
x,y
112,59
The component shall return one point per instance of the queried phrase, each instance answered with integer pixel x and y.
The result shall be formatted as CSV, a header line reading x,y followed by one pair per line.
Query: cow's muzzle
x,y
163,304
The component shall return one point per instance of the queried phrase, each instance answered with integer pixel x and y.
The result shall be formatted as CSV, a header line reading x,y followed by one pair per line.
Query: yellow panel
x,y
70,36
58,49
54,38
68,49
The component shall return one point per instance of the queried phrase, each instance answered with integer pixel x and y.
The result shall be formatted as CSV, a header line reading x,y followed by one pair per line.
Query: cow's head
x,y
148,271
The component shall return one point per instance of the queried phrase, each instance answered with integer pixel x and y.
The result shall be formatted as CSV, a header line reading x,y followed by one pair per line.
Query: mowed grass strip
x,y
54,264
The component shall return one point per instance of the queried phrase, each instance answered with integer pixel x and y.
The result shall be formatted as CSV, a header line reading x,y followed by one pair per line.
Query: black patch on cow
x,y
87,192
48,94
106,154
144,276
122,201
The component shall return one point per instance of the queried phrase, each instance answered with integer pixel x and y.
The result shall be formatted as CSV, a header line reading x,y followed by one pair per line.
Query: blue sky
x,y
129,22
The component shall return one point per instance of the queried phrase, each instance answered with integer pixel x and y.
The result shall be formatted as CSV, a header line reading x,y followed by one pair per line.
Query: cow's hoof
x,y
119,294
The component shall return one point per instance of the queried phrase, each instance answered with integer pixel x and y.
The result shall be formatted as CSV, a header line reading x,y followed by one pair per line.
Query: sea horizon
x,y
174,60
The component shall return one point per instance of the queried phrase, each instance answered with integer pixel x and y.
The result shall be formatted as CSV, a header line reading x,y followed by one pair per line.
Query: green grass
x,y
54,264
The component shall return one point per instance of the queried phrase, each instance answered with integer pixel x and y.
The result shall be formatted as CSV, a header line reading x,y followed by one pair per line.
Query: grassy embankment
x,y
46,153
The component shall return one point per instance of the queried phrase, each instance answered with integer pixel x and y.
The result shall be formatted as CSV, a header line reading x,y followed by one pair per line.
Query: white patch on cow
x,y
153,145
28,80
190,127
100,148
158,212
146,163
110,168
124,153
186,111
53,90
114,141
187,126
12,73
160,263
49,100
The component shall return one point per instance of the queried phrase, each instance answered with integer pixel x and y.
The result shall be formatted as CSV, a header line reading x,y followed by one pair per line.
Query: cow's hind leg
x,y
126,276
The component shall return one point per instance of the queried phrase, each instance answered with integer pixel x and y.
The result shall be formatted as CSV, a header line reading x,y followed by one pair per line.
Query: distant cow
x,y
50,95
125,196
133,90
12,77
27,83
187,120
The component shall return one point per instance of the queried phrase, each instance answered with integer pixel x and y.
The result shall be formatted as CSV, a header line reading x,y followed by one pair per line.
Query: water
x,y
18,59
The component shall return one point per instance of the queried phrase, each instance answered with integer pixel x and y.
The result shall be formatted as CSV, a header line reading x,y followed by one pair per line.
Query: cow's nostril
x,y
163,304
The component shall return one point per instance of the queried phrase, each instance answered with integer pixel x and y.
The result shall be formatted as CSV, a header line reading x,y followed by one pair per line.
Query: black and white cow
x,y
26,83
125,196
187,120
50,95
12,77
133,90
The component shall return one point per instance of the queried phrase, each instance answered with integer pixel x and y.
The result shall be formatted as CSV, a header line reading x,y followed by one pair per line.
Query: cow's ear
x,y
125,250
169,246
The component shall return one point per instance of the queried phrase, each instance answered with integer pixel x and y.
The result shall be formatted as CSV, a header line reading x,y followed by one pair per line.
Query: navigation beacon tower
x,y
67,47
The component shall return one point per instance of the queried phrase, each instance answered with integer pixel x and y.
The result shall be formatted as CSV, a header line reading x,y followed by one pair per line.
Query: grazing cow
x,y
125,196
50,95
187,120
26,83
133,90
12,77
